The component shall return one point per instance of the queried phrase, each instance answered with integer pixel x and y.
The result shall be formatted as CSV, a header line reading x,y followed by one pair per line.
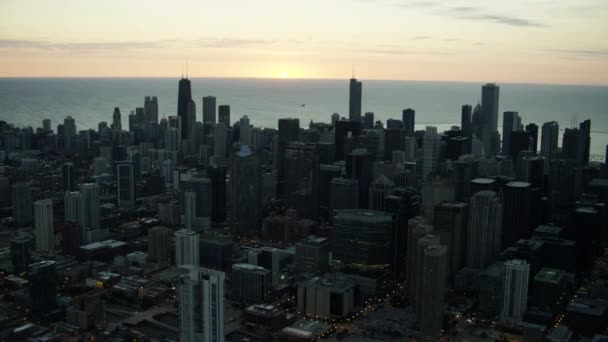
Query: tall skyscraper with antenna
x,y
354,105
184,96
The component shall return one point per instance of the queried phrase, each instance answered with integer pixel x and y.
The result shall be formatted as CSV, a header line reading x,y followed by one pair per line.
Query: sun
x,y
283,74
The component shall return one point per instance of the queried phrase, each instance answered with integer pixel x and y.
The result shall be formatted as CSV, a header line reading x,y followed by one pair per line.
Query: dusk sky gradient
x,y
528,41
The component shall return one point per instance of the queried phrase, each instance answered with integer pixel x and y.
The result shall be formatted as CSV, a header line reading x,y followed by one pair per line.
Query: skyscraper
x,y
246,191
251,282
415,230
362,238
354,104
378,190
68,176
450,223
20,252
312,256
90,201
484,233
217,176
150,109
343,194
69,131
22,203
45,233
409,121
532,129
186,248
209,108
184,96
189,209
431,148
489,117
43,286
548,144
158,244
518,212
509,124
116,120
434,272
359,166
245,131
289,130
73,208
465,121
220,136
515,291
224,115
125,184
200,294
368,120
201,187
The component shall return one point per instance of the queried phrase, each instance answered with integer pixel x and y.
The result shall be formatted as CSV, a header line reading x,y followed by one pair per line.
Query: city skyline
x,y
518,42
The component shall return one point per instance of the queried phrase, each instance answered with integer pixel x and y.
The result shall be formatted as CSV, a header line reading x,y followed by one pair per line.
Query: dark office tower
x,y
325,152
378,190
359,166
450,223
509,124
312,256
489,116
69,131
362,238
341,130
434,275
394,140
184,96
415,231
484,230
289,130
246,191
585,142
532,128
343,194
20,252
322,185
465,121
354,104
464,171
517,205
140,115
520,141
409,120
159,239
570,144
43,286
368,120
116,120
534,172
224,115
217,175
201,187
549,137
209,108
22,203
68,176
490,290
125,184
394,124
46,125
150,109
72,238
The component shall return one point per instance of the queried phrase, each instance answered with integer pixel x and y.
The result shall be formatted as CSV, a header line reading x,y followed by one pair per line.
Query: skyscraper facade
x,y
484,229
209,109
22,203
354,104
200,294
450,223
510,122
515,291
186,248
434,272
158,244
125,184
409,121
184,96
289,130
43,219
43,286
489,117
224,115
246,191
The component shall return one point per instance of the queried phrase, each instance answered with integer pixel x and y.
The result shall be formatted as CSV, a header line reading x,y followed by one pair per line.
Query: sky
x,y
519,41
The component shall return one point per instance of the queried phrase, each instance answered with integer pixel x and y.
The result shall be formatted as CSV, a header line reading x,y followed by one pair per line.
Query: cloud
x,y
583,53
233,43
399,52
48,45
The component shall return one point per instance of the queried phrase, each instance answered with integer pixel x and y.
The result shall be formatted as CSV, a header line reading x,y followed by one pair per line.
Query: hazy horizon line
x,y
596,85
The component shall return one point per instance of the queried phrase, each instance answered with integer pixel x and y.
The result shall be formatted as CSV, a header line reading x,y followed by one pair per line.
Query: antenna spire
x,y
353,76
186,68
